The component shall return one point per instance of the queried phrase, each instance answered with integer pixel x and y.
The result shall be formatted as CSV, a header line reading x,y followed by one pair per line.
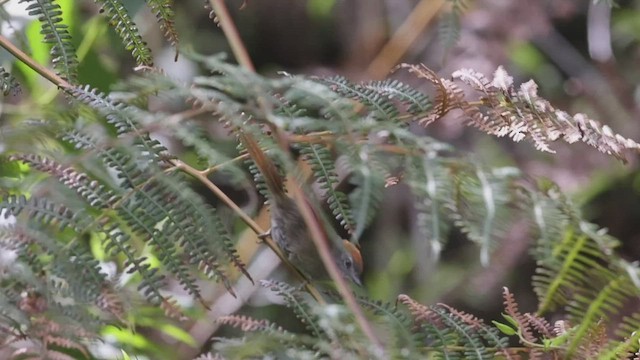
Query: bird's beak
x,y
356,279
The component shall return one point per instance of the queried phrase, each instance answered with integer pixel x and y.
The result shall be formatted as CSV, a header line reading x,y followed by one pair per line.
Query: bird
x,y
289,229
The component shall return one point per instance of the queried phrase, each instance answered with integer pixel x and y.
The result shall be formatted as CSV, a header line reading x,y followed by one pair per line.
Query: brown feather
x,y
269,172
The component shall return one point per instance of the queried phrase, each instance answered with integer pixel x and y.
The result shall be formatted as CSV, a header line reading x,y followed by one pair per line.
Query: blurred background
x,y
583,55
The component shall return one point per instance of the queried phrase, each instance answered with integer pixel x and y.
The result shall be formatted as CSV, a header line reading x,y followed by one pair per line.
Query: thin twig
x,y
404,37
231,33
221,165
30,62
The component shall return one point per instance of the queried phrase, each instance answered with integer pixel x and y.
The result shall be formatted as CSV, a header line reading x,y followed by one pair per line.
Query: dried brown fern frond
x,y
503,109
48,339
420,313
246,323
595,341
511,308
469,319
522,114
448,95
540,324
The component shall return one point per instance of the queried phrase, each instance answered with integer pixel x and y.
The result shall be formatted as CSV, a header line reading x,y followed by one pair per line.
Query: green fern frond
x,y
322,164
142,213
566,271
449,26
368,174
429,182
294,300
166,18
417,103
468,337
94,193
42,211
340,114
126,29
628,332
149,201
71,273
449,29
206,238
481,205
598,305
63,53
124,118
152,281
8,83
382,108
405,340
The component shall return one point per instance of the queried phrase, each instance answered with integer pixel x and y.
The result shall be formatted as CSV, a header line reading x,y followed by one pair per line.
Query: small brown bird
x,y
290,232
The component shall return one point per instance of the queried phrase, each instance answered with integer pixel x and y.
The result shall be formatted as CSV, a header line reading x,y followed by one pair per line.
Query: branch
x,y
30,62
232,35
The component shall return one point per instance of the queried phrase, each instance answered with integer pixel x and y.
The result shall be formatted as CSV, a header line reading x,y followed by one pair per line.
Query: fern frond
x,y
321,161
417,103
63,53
449,26
381,107
155,198
152,281
124,118
248,324
53,340
43,211
368,174
449,29
448,95
126,29
481,205
206,237
166,18
511,309
8,83
94,193
428,179
454,334
628,331
405,341
589,310
294,300
521,113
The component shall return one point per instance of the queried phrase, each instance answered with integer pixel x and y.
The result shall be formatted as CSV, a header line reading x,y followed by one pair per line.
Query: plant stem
x,y
404,37
30,62
232,35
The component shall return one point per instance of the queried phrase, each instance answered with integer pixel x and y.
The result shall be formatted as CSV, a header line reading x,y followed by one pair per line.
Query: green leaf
x,y
504,328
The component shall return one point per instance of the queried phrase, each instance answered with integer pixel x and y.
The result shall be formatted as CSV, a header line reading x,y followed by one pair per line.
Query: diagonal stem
x,y
30,62
232,35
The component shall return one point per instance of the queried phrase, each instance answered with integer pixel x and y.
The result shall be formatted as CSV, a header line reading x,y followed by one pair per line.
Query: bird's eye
x,y
348,264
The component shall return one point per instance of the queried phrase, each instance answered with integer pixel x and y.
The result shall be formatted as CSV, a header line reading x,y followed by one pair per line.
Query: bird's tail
x,y
267,168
